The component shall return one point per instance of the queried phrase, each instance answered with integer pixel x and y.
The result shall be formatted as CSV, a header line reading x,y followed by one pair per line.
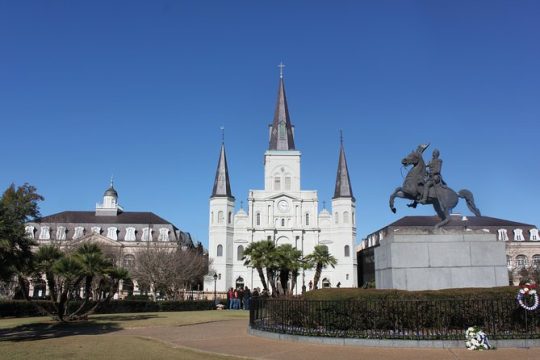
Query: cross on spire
x,y
281,66
341,137
112,180
222,128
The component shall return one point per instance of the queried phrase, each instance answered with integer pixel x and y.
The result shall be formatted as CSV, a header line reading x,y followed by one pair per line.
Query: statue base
x,y
424,258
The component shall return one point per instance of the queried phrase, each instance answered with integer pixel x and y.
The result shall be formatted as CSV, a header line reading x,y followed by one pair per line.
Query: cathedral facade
x,y
282,212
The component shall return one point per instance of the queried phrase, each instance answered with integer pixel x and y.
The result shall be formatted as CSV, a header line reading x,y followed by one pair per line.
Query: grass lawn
x,y
42,338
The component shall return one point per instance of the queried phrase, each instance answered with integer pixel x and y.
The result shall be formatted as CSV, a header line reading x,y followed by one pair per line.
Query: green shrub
x,y
371,313
22,308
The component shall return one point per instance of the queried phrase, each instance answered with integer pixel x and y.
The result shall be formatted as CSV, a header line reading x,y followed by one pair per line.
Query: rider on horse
x,y
433,174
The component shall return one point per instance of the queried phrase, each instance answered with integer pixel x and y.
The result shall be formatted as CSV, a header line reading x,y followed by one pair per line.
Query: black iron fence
x,y
395,319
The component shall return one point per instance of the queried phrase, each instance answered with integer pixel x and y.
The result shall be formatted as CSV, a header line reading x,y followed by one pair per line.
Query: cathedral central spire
x,y
281,134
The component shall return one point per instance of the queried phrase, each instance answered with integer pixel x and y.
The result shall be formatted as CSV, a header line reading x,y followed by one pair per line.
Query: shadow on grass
x,y
41,331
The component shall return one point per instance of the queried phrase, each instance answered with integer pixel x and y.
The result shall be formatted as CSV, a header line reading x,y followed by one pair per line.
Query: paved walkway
x,y
231,338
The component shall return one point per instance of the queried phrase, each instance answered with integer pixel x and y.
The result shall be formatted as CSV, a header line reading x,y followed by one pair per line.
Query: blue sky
x,y
140,90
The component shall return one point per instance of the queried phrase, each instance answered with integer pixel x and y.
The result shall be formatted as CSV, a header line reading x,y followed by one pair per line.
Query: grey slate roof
x,y
222,184
281,135
343,182
89,217
472,221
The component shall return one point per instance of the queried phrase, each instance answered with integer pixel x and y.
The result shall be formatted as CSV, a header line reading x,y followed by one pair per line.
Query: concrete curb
x,y
388,343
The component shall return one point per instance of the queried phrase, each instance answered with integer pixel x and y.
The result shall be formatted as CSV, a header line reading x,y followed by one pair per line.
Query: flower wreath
x,y
528,289
476,339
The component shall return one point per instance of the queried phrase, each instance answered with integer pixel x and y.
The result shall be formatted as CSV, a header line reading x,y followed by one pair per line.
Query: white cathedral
x,y
283,213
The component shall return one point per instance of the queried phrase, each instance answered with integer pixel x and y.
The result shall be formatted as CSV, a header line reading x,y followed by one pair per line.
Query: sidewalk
x,y
231,338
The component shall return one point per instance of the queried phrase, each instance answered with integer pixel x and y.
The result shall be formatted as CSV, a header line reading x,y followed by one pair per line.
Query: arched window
x,y
307,219
287,183
219,250
282,222
336,218
536,260
325,283
508,261
239,283
353,217
229,220
220,217
521,261
345,217
258,218
239,253
277,183
347,251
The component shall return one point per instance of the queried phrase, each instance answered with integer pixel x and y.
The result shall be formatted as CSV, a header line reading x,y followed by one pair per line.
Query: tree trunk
x,y
263,280
318,271
294,277
284,280
271,279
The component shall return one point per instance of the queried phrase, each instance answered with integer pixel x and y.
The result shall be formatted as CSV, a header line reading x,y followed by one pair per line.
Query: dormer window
x,y
96,230
518,235
61,233
147,234
163,234
130,234
29,230
534,235
45,233
502,235
79,232
112,233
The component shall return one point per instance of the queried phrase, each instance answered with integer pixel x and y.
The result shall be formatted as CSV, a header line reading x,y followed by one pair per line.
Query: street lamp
x,y
215,288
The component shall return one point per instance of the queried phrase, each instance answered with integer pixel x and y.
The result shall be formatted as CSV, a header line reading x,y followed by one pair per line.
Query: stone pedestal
x,y
424,258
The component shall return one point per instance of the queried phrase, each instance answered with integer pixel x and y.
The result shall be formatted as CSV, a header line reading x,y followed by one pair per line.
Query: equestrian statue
x,y
425,185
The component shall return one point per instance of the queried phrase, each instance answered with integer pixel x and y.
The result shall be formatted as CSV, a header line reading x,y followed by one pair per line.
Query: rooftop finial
x,y
341,137
222,128
324,205
281,66
112,180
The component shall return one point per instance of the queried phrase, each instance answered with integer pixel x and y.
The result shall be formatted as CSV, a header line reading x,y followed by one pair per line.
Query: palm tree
x,y
320,258
289,260
44,259
93,263
256,255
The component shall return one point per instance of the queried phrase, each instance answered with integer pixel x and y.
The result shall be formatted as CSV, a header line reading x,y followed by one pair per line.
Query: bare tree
x,y
168,269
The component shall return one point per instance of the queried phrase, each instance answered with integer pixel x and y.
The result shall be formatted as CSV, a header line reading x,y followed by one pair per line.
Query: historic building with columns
x,y
120,234
282,212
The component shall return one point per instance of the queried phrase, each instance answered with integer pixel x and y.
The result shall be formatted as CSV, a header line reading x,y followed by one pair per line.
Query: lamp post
x,y
215,288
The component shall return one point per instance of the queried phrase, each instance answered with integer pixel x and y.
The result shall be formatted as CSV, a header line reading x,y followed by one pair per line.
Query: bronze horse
x,y
440,196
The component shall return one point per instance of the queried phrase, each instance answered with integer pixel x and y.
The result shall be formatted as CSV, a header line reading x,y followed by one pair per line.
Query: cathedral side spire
x,y
281,134
343,182
222,184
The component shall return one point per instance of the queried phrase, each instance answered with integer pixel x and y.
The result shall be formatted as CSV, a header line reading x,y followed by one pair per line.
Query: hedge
x,y
22,308
394,314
